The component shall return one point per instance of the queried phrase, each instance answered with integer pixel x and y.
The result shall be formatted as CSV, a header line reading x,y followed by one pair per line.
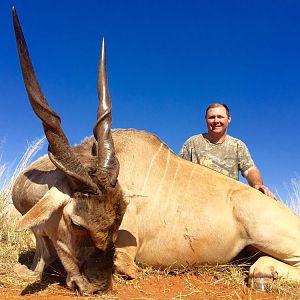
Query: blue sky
x,y
166,60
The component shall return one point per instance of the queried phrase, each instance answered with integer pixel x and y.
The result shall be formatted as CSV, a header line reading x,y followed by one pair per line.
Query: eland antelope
x,y
123,198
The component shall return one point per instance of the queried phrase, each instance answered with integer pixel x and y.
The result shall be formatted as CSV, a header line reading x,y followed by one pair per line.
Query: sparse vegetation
x,y
196,280
12,243
293,199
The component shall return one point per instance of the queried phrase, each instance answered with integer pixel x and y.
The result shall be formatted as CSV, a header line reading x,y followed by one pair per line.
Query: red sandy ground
x,y
185,286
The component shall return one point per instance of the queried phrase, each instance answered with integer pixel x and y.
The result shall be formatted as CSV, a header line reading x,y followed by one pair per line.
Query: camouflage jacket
x,y
228,157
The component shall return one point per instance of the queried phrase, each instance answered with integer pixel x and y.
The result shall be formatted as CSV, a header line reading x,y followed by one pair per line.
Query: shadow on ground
x,y
54,273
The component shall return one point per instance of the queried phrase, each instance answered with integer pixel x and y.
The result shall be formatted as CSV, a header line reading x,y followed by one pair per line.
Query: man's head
x,y
217,119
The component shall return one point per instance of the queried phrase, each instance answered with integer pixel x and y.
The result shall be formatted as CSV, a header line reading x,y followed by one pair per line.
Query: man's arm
x,y
185,153
254,179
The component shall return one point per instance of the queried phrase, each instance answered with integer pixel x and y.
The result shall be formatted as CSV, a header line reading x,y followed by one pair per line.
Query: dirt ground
x,y
210,282
184,286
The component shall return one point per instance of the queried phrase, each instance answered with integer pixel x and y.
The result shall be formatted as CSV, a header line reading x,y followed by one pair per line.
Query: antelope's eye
x,y
85,195
77,225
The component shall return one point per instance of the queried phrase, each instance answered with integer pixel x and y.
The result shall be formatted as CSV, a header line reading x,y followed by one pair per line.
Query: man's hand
x,y
255,180
264,190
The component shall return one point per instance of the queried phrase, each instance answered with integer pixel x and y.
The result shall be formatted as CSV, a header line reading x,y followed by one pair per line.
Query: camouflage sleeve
x,y
244,158
185,151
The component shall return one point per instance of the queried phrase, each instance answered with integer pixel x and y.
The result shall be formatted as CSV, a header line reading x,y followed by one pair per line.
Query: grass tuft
x,y
293,200
13,243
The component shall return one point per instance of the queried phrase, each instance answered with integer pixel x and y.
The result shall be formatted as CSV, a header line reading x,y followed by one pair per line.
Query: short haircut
x,y
213,105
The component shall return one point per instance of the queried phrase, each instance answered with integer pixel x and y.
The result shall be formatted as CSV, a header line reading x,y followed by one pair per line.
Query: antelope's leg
x,y
273,229
43,256
266,269
126,245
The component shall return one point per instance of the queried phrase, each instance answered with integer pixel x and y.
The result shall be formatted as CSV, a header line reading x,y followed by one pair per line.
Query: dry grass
x,y
13,243
293,199
229,275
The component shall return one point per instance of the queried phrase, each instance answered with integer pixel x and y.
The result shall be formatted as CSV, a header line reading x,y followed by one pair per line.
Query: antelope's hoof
x,y
263,284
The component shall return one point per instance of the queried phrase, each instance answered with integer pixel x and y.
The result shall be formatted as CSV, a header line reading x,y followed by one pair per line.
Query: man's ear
x,y
43,210
229,119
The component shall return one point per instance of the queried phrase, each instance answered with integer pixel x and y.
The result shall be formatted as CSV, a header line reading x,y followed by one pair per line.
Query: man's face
x,y
217,120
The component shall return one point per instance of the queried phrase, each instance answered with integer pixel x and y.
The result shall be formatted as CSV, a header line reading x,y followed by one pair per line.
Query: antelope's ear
x,y
42,211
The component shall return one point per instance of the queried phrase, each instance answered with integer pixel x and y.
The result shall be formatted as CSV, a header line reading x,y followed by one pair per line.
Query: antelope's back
x,y
32,184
